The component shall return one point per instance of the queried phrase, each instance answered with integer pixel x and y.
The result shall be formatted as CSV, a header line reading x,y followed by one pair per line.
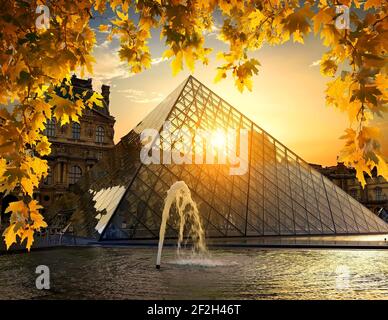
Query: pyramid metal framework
x,y
121,198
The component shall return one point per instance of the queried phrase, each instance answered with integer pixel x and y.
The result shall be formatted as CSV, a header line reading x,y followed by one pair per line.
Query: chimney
x,y
105,93
81,83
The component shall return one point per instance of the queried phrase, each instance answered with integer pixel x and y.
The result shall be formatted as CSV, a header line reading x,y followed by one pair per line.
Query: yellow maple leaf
x,y
27,185
36,217
96,98
382,84
167,54
43,146
3,167
221,74
176,64
382,167
28,234
10,235
19,214
34,206
328,65
372,3
227,5
103,28
42,106
189,58
65,109
122,16
361,167
367,134
25,219
322,17
255,18
297,22
339,93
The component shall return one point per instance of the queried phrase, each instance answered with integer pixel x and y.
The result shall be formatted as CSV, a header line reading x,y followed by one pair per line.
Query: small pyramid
x,y
280,194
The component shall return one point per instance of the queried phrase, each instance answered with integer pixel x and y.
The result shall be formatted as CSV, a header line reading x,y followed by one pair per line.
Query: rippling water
x,y
129,273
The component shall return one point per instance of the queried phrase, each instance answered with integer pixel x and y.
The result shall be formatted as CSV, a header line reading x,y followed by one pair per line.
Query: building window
x,y
49,179
75,173
100,133
76,130
379,193
99,155
50,127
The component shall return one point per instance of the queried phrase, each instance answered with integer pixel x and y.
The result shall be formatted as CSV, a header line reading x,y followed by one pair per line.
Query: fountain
x,y
179,193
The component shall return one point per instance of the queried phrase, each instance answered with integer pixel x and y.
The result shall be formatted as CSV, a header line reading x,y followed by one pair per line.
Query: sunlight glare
x,y
218,139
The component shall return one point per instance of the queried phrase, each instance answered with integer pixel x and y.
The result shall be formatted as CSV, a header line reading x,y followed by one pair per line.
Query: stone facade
x,y
375,194
76,147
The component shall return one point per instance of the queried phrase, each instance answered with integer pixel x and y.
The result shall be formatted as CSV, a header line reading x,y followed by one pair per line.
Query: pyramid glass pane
x,y
280,194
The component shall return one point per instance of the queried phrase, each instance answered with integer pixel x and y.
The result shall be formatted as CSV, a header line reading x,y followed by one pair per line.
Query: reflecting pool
x,y
129,273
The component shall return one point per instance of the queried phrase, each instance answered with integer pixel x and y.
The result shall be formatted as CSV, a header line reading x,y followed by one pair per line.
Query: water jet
x,y
179,193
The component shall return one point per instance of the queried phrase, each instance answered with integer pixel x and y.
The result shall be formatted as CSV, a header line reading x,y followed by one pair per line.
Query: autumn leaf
x,y
9,235
227,5
382,84
27,185
177,64
18,208
297,22
382,167
36,217
95,99
190,59
328,66
243,74
29,235
221,74
3,166
361,168
372,3
43,146
65,110
25,220
103,28
100,5
322,17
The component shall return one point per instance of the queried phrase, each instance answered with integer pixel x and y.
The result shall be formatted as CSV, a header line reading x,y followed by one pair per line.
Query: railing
x,y
54,236
377,199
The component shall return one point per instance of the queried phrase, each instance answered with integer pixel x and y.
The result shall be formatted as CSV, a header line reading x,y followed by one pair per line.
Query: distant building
x,y
374,195
76,147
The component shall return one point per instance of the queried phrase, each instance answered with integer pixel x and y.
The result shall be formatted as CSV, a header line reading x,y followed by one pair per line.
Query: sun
x,y
218,139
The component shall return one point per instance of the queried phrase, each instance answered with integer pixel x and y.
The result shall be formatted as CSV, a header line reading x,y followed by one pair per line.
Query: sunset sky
x,y
287,99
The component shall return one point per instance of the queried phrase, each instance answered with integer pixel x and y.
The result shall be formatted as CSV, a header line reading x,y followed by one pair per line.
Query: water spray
x,y
187,209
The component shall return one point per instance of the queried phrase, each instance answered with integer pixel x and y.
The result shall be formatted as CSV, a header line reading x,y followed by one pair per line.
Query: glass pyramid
x,y
280,194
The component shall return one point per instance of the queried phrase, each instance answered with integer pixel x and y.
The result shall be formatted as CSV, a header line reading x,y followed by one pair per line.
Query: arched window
x,y
100,133
76,130
49,178
50,127
75,173
378,193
